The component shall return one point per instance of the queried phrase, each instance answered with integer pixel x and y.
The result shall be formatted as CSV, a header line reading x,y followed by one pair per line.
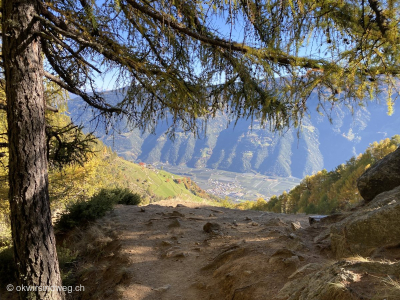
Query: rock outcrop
x,y
372,230
381,177
369,228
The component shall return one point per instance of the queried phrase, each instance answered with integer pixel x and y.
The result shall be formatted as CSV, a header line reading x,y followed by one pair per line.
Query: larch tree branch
x,y
381,18
88,99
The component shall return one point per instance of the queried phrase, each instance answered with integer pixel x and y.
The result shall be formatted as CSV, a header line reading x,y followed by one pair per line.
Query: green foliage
x,y
274,204
83,212
327,192
226,202
173,49
8,269
193,188
68,149
125,196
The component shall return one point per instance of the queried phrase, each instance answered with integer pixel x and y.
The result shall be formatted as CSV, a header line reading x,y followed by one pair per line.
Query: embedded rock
x,y
211,227
275,222
373,226
175,223
381,177
295,226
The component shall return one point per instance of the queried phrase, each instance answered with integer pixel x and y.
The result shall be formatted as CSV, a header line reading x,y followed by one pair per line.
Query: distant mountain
x,y
246,147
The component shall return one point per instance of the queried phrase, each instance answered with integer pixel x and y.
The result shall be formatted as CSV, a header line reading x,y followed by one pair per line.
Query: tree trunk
x,y
33,236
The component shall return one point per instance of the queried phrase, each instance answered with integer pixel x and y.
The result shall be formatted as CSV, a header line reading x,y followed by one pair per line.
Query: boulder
x,y
176,214
175,223
382,176
275,222
295,226
212,227
373,226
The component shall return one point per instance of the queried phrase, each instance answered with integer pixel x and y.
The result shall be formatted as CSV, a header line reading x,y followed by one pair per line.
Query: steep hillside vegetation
x,y
152,184
104,169
245,146
327,192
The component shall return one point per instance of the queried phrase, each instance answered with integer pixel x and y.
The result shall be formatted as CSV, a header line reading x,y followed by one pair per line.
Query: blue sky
x,y
235,31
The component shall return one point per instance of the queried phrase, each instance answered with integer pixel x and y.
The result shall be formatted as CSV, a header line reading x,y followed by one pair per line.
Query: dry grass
x,y
339,291
390,289
359,258
99,261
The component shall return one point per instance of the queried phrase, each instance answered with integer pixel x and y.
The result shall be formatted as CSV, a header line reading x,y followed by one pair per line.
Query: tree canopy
x,y
177,57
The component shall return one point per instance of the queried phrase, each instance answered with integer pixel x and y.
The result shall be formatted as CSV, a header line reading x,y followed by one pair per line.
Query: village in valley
x,y
235,186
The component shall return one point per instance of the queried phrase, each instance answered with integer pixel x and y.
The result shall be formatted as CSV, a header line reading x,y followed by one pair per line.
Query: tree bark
x,y
33,236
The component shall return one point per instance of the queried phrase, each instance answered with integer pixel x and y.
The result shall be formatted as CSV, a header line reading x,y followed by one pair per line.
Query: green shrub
x,y
83,212
130,199
125,196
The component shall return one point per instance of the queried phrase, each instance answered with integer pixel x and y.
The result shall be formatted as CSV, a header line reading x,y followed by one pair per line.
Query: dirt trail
x,y
165,253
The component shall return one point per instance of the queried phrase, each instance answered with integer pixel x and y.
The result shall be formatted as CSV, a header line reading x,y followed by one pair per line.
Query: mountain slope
x,y
328,192
247,147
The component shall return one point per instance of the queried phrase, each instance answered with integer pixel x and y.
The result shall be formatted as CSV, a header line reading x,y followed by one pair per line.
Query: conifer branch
x,y
88,99
57,21
51,37
110,49
51,108
278,57
381,18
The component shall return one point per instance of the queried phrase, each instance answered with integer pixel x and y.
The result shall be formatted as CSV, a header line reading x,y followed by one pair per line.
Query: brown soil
x,y
164,253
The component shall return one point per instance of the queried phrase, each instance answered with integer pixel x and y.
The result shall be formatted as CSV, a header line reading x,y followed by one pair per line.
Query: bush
x,y
126,197
83,212
226,203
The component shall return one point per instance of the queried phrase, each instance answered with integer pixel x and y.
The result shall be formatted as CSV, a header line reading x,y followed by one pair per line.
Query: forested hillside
x,y
246,146
327,192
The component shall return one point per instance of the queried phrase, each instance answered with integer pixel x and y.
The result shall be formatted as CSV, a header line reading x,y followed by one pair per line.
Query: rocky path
x,y
166,252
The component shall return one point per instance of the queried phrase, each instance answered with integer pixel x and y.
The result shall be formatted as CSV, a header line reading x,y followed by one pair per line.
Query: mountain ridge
x,y
247,147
